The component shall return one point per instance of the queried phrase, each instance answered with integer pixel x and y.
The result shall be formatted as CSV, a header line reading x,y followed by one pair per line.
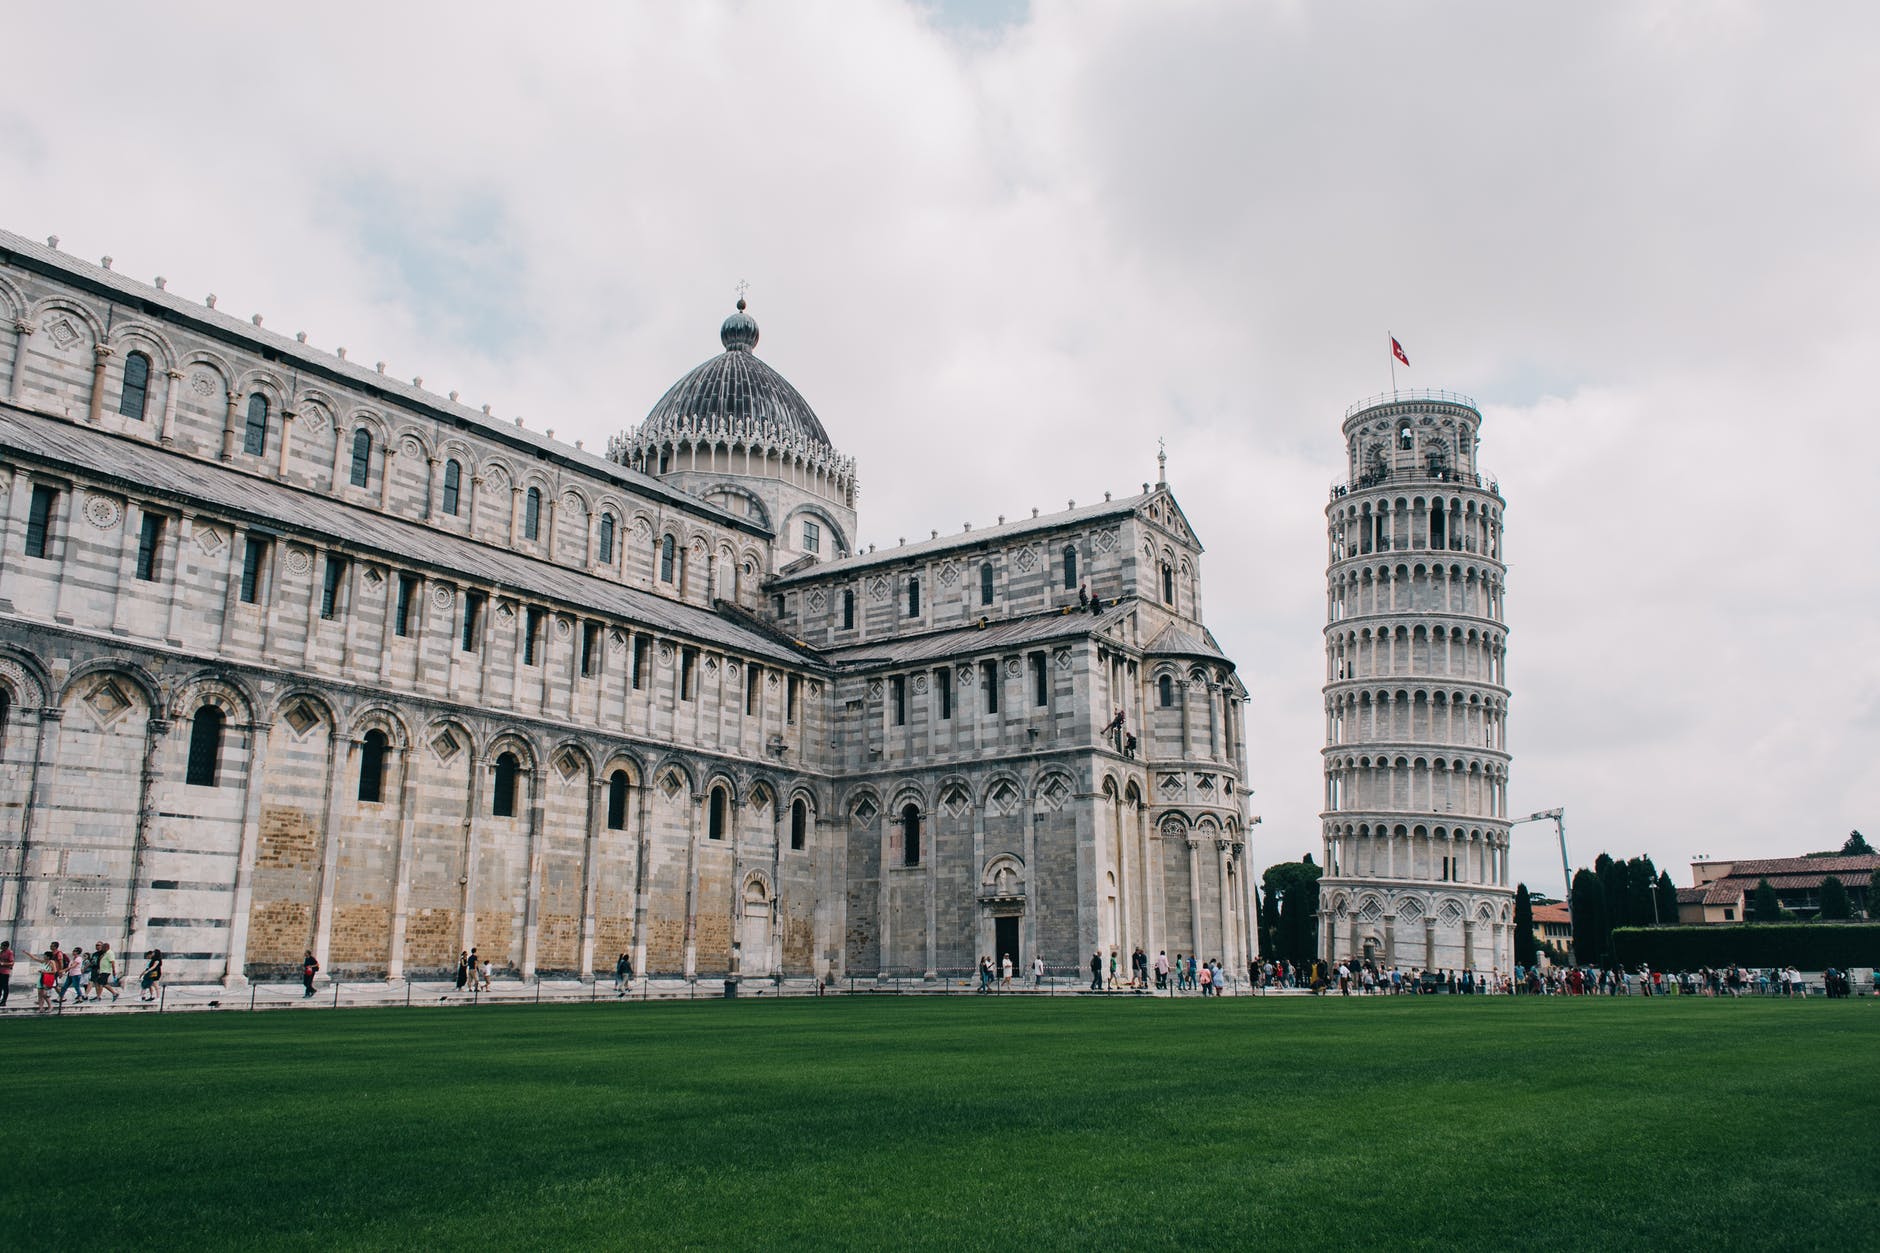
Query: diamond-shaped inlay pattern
x,y
569,765
671,785
445,745
1054,793
301,718
865,811
107,700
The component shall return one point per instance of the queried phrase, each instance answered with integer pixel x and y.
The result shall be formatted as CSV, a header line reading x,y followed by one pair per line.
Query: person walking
x,y
483,981
1005,973
623,974
74,975
6,971
463,969
1096,971
153,973
104,973
49,967
1037,970
309,967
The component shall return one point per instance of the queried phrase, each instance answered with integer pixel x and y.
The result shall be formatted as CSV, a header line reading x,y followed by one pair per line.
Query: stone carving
x,y
1012,667
1025,559
878,588
64,334
949,574
665,655
920,684
203,383
817,600
441,597
874,689
209,540
1106,541
563,628
300,718
373,576
102,512
1062,658
299,561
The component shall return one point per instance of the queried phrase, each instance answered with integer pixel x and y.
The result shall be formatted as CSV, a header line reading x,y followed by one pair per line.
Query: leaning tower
x,y
1416,696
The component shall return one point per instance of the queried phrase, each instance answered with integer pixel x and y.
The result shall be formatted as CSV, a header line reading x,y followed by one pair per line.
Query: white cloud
x,y
1014,247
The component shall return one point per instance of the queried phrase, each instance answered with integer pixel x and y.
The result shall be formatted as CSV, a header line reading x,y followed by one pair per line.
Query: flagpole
x,y
1393,364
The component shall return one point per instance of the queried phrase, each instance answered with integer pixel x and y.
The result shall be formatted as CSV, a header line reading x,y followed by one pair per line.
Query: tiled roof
x,y
994,636
1793,874
243,330
148,467
1690,896
964,540
1552,913
1173,641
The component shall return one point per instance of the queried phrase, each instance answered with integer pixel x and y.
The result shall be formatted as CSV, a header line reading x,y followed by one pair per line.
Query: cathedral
x,y
298,655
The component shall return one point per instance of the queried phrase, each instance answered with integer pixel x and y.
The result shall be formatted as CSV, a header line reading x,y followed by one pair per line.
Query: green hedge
x,y
1804,945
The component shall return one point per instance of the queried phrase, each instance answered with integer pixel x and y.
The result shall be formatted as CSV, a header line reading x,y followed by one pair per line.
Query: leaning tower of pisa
x,y
1416,696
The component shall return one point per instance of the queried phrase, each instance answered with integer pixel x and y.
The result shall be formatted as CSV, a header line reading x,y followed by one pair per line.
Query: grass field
x,y
1431,1123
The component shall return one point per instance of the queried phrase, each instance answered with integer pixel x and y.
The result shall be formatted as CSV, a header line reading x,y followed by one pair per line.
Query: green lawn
x,y
952,1124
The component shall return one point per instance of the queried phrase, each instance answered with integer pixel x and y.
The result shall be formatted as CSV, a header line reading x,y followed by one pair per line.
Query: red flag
x,y
1396,350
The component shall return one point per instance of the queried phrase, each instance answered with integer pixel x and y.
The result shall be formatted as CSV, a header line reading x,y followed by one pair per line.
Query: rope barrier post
x,y
162,993
336,994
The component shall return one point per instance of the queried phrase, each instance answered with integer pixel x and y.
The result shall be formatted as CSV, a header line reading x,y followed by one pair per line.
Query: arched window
x,y
372,766
617,801
362,457
453,486
913,596
1165,688
715,821
205,747
985,583
532,514
799,823
910,834
255,440
503,797
848,609
6,714
1070,567
136,391
607,539
1168,584
666,553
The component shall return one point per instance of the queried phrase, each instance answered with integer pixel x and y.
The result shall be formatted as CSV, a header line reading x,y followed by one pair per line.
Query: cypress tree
x,y
1764,907
1835,907
1667,899
1873,897
1588,909
1526,950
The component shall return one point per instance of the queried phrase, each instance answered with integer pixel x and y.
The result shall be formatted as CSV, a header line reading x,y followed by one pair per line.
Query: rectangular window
x,y
812,538
943,690
789,699
848,609
688,663
898,687
641,645
753,675
401,614
39,520
590,649
329,591
777,603
531,632
989,679
149,545
472,620
254,553
1040,680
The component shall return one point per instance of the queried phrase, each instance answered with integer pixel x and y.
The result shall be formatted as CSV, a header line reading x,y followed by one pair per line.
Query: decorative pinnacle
x,y
1161,463
742,288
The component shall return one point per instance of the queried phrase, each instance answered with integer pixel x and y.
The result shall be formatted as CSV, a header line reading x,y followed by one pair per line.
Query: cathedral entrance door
x,y
1005,942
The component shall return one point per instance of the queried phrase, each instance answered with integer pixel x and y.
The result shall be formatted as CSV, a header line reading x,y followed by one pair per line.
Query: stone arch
x,y
622,759
674,766
858,799
909,794
379,717
762,796
145,683
65,304
228,694
267,382
409,433
572,747
127,336
372,420
12,299
838,537
511,739
24,676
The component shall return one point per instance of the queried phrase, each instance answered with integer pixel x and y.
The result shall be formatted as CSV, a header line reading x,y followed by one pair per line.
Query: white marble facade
x,y
297,655
1416,695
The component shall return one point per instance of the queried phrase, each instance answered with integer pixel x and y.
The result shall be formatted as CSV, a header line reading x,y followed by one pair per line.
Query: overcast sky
x,y
1002,248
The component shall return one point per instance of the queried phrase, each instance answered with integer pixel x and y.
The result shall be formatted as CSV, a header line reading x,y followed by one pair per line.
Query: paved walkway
x,y
190,998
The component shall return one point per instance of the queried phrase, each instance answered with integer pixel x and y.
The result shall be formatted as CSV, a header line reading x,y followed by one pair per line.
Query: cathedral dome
x,y
736,388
